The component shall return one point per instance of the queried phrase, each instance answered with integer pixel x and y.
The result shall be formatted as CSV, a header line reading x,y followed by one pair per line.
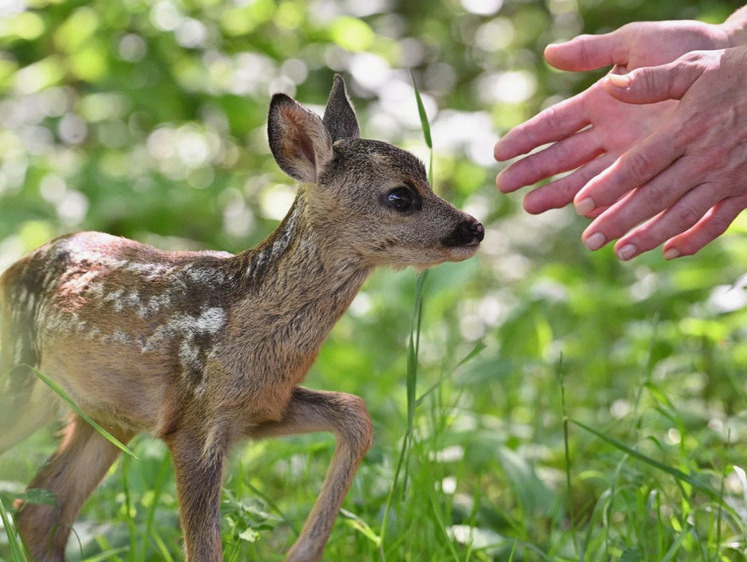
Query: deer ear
x,y
339,117
299,141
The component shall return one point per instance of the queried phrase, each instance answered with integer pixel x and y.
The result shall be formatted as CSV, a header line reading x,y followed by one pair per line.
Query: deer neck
x,y
299,281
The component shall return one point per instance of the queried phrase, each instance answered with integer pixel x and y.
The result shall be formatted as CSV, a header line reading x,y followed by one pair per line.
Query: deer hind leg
x,y
346,417
199,458
70,474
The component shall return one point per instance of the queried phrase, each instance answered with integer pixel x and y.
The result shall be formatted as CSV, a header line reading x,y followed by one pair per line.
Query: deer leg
x,y
70,474
198,463
346,417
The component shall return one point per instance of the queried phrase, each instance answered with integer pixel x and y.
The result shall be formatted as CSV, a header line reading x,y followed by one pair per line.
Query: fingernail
x,y
585,206
595,241
672,253
619,80
627,252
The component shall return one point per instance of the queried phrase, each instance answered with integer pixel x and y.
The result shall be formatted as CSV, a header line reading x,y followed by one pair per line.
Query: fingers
x,y
634,168
678,217
553,124
560,192
711,226
653,84
588,52
565,155
668,189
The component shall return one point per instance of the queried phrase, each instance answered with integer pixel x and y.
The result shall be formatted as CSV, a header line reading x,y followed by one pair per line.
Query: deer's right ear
x,y
299,141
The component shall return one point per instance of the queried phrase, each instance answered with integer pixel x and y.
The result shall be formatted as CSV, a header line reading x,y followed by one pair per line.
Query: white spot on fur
x,y
93,333
204,276
132,299
150,271
121,337
185,327
211,320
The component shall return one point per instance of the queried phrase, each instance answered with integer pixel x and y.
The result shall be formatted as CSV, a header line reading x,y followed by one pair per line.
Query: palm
x,y
616,126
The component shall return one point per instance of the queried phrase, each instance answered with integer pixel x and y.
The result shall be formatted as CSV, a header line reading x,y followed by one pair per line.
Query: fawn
x,y
202,349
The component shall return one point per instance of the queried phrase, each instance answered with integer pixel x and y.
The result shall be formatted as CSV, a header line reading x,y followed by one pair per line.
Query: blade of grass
x,y
16,550
111,554
425,125
676,473
390,495
720,513
163,549
560,375
361,526
163,472
414,350
66,398
132,529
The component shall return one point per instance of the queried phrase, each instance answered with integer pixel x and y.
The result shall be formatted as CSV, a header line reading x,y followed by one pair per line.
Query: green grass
x,y
640,461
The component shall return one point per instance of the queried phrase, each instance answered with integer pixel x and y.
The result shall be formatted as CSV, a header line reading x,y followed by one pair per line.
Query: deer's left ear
x,y
339,117
300,143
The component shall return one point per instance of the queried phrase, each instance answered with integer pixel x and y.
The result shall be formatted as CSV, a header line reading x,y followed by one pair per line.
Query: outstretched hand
x,y
686,182
588,133
591,131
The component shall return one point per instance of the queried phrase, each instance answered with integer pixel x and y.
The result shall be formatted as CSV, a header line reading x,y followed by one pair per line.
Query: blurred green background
x,y
147,119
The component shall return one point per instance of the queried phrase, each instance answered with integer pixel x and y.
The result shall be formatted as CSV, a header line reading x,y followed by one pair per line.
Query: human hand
x,y
592,129
686,182
589,132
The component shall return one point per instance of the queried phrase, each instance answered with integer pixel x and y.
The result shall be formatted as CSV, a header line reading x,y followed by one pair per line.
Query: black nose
x,y
467,232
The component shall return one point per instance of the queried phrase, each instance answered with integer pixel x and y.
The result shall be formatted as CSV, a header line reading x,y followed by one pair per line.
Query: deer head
x,y
366,195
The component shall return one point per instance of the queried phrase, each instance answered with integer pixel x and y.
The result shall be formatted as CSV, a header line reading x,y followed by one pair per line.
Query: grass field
x,y
566,407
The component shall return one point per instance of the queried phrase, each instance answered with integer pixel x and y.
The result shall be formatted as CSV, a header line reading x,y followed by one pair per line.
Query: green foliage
x,y
146,119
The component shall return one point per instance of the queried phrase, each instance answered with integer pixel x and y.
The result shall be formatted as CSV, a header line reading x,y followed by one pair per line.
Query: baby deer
x,y
205,348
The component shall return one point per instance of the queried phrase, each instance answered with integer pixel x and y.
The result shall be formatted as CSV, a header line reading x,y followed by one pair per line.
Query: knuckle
x,y
686,216
718,224
652,195
647,79
684,135
639,165
552,119
711,158
539,168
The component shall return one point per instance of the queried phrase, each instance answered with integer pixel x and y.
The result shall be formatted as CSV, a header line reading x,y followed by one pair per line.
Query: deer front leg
x,y
199,457
346,417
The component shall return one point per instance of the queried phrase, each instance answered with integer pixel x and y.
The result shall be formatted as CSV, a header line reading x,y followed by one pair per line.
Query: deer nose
x,y
467,232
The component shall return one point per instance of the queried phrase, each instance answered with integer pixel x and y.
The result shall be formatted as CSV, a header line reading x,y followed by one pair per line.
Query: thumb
x,y
653,83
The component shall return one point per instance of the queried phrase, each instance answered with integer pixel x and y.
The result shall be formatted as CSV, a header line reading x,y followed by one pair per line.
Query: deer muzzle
x,y
467,233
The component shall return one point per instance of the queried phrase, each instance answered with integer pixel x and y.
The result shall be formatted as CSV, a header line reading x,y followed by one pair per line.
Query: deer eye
x,y
401,199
